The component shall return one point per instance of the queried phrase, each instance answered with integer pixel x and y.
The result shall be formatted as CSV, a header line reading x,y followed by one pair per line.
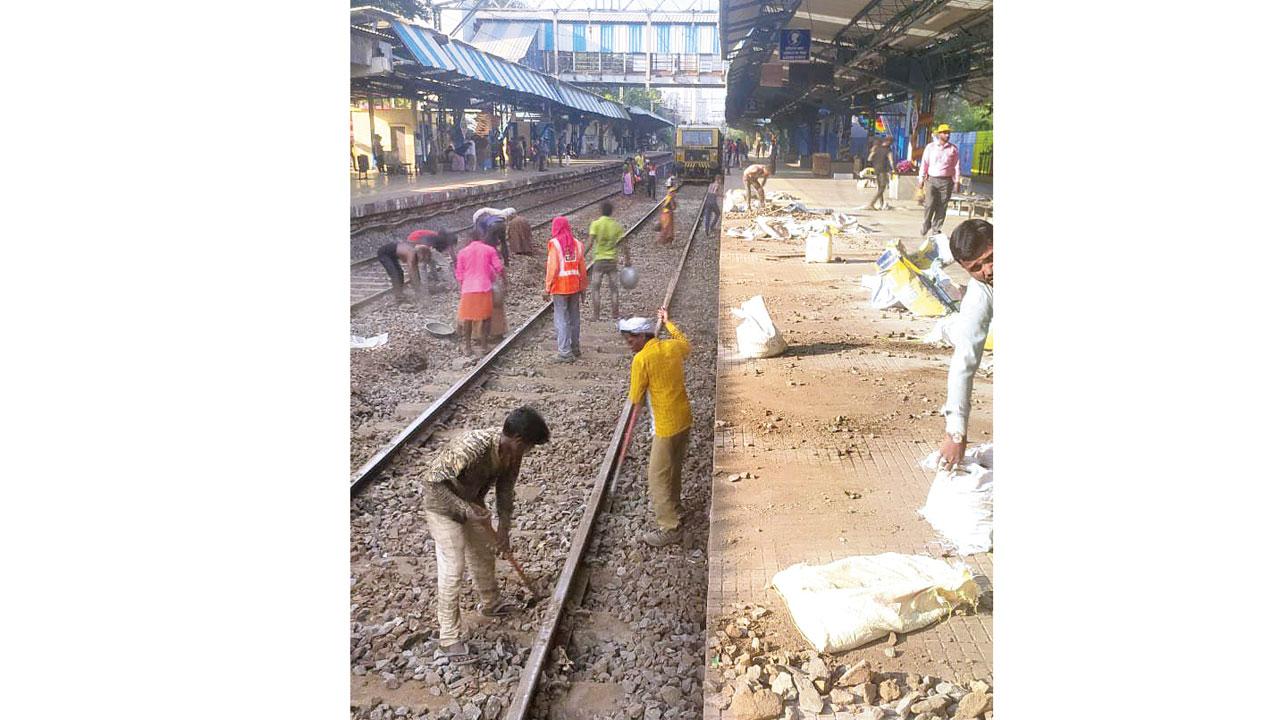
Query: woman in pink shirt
x,y
478,264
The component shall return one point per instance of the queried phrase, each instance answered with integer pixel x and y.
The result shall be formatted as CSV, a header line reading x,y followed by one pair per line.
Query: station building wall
x,y
384,121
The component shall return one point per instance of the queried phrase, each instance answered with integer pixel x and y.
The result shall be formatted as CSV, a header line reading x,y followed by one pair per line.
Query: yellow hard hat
x,y
943,128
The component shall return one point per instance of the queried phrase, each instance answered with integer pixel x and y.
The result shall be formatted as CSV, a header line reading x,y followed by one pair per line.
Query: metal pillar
x,y
372,156
555,42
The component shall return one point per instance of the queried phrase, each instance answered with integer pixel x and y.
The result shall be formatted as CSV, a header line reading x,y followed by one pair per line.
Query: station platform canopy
x,y
644,117
864,53
434,62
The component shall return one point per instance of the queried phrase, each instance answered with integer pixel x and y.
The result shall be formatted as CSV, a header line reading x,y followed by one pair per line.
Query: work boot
x,y
562,358
661,538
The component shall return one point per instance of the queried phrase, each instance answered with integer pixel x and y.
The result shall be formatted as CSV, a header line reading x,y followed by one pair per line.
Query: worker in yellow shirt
x,y
658,369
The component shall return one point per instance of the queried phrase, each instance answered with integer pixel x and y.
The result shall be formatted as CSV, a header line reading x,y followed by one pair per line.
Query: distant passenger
x,y
651,179
628,179
453,501
881,160
605,237
657,370
755,176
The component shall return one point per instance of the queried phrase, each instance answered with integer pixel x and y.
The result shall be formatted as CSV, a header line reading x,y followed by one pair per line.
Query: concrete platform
x,y
383,193
822,487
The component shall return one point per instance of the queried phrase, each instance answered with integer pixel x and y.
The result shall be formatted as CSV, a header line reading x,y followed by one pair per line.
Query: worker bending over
x,y
973,247
414,252
755,177
453,502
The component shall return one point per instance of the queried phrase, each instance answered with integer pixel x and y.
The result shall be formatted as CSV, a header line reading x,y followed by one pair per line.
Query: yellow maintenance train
x,y
698,153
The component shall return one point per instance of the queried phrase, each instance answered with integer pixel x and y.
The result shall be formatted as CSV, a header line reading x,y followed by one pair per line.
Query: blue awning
x,y
459,57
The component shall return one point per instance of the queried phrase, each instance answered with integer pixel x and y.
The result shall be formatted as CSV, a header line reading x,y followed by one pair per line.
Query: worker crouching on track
x,y
478,266
519,233
566,284
453,501
658,369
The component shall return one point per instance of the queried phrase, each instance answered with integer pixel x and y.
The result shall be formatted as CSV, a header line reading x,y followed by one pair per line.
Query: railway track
x,y
393,610
369,282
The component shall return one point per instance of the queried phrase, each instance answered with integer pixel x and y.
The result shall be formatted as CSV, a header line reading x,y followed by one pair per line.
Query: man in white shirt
x,y
973,247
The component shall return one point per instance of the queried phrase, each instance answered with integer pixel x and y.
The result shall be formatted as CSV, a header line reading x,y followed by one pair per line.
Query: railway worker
x,y
492,221
453,502
566,282
711,206
658,371
478,265
667,215
392,254
939,175
755,176
519,233
443,242
606,235
973,246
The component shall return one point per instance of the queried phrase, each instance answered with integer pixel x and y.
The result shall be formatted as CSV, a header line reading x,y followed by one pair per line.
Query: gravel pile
x,y
750,678
393,628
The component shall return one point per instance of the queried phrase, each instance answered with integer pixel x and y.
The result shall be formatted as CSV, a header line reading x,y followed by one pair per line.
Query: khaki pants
x,y
456,544
666,459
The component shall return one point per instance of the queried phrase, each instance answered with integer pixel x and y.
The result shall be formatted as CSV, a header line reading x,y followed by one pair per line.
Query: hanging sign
x,y
793,45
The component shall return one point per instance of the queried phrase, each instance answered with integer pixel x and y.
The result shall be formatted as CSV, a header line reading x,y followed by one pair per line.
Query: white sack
x,y
959,502
882,296
862,598
757,335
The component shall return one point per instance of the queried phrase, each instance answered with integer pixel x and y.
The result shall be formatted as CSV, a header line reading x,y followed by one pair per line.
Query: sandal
x,y
457,654
501,608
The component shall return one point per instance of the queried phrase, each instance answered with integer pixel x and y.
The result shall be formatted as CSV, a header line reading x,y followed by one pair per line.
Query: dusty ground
x,y
392,558
830,434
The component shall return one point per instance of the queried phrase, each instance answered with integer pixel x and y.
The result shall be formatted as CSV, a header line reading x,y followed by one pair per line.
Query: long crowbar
x,y
535,595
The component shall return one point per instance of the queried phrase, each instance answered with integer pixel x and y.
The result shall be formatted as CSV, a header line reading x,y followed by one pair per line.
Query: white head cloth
x,y
637,326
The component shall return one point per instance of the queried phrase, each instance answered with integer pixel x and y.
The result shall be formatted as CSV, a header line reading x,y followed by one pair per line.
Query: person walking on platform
x,y
469,153
657,370
478,266
651,179
881,161
973,246
524,152
519,233
453,503
711,207
566,282
667,215
939,175
605,237
754,177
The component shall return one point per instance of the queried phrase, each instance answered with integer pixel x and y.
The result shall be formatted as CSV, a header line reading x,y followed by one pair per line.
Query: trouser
x,y
459,545
542,162
666,460
710,210
937,194
387,256
604,268
568,319
882,184
651,183
755,185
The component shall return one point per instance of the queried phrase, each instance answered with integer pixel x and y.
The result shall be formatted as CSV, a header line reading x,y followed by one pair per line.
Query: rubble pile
x,y
750,678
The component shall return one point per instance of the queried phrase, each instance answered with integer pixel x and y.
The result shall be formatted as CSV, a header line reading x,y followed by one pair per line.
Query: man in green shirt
x,y
602,248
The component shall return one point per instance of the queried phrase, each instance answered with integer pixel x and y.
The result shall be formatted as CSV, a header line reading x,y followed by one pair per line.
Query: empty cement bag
x,y
959,502
757,335
859,599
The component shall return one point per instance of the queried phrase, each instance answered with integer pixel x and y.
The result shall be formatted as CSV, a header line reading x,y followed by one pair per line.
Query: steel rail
x,y
370,469
614,455
370,299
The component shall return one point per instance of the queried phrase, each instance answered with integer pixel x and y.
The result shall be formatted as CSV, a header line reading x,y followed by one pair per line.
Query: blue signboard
x,y
793,44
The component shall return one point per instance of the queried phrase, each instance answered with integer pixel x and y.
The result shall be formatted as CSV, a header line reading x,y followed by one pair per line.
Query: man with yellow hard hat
x,y
939,175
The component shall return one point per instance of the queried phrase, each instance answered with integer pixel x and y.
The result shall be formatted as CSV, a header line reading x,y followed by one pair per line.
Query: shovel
x,y
534,595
